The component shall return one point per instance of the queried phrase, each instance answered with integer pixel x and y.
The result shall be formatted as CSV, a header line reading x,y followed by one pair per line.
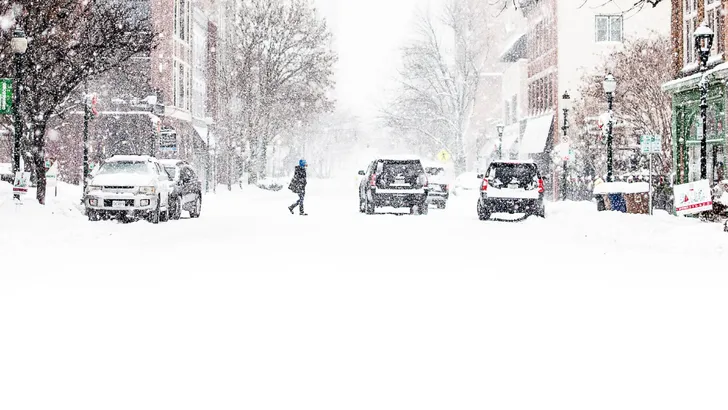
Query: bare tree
x,y
69,40
283,70
640,105
440,78
637,5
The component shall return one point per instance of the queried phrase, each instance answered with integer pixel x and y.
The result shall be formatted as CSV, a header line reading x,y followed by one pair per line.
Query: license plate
x,y
513,186
118,204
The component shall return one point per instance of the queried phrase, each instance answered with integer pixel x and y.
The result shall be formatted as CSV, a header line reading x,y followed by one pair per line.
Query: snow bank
x,y
621,187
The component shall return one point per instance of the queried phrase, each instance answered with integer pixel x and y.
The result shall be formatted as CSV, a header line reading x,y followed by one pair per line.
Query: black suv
x,y
511,187
398,183
185,189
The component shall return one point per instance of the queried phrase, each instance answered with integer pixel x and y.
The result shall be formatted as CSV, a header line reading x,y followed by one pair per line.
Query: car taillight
x,y
484,187
373,180
540,186
447,187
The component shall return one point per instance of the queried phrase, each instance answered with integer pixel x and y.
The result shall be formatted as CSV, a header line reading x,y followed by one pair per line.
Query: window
x,y
713,17
608,28
182,15
690,21
182,83
507,112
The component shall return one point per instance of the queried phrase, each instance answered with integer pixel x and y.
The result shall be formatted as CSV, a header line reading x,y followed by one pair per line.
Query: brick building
x,y
566,40
687,15
155,104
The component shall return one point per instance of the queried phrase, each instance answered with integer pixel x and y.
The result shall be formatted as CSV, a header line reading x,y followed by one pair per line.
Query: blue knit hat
x,y
302,163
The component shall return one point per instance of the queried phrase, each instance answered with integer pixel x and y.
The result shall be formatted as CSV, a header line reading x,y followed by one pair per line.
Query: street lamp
x,y
610,85
703,42
19,44
500,128
566,104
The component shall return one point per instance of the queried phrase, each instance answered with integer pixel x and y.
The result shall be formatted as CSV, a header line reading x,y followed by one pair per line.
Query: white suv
x,y
129,186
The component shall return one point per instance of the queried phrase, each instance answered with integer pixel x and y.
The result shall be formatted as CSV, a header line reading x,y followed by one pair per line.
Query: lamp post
x,y
19,44
500,128
703,42
208,121
566,103
610,85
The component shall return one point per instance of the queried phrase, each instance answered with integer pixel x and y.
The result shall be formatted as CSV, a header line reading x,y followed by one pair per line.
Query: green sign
x,y
6,96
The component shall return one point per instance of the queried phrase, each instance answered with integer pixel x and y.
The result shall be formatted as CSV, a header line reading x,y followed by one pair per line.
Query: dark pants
x,y
299,203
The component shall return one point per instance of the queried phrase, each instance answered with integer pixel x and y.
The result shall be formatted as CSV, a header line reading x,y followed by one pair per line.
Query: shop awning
x,y
510,136
537,132
202,132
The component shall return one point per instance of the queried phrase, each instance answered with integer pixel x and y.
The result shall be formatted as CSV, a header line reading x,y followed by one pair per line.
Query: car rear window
x,y
507,172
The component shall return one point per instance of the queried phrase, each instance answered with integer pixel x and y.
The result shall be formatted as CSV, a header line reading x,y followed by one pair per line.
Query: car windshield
x,y
433,171
171,170
507,172
124,167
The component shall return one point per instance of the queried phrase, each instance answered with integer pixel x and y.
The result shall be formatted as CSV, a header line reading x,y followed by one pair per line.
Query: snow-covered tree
x,y
440,77
68,41
640,105
281,71
638,4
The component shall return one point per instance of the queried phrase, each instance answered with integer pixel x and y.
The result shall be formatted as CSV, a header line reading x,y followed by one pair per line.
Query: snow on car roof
x,y
513,161
400,158
131,158
170,161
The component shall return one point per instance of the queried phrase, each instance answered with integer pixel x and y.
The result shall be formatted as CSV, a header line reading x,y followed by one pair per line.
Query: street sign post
x,y
650,144
6,96
443,156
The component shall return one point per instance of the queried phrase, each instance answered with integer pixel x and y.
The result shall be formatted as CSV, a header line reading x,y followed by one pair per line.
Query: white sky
x,y
367,36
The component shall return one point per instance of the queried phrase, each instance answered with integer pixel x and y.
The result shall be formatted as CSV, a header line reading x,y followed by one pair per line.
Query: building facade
x,y
687,15
566,41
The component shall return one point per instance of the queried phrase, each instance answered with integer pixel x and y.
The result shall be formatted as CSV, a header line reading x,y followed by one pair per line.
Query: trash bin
x,y
617,202
637,203
623,197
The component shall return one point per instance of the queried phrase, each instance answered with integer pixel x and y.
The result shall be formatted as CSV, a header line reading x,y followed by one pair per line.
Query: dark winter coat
x,y
298,183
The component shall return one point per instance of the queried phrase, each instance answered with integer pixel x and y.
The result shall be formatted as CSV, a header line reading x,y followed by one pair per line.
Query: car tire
x,y
423,208
164,216
483,212
195,213
93,216
362,205
154,215
176,208
442,205
370,208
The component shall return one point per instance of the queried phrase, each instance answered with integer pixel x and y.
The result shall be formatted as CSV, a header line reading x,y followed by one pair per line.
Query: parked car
x,y
394,182
6,173
185,189
511,187
467,182
129,186
438,184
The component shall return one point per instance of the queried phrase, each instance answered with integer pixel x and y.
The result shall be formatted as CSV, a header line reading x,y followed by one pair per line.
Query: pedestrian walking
x,y
298,186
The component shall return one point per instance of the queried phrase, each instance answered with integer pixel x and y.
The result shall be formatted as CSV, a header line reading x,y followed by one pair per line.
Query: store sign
x,y
693,198
168,140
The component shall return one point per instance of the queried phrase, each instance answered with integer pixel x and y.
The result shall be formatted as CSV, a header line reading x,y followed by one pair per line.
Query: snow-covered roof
x,y
515,48
718,72
130,158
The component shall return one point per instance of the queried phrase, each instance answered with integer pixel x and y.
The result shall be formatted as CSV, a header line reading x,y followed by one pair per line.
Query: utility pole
x,y
86,115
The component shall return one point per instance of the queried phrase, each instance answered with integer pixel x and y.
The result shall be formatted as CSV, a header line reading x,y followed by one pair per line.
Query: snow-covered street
x,y
251,307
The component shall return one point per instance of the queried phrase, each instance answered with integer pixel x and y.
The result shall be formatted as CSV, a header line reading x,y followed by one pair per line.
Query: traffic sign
x,y
651,144
6,95
443,156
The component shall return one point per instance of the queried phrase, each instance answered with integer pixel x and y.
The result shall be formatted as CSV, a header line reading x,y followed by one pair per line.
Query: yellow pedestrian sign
x,y
443,156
